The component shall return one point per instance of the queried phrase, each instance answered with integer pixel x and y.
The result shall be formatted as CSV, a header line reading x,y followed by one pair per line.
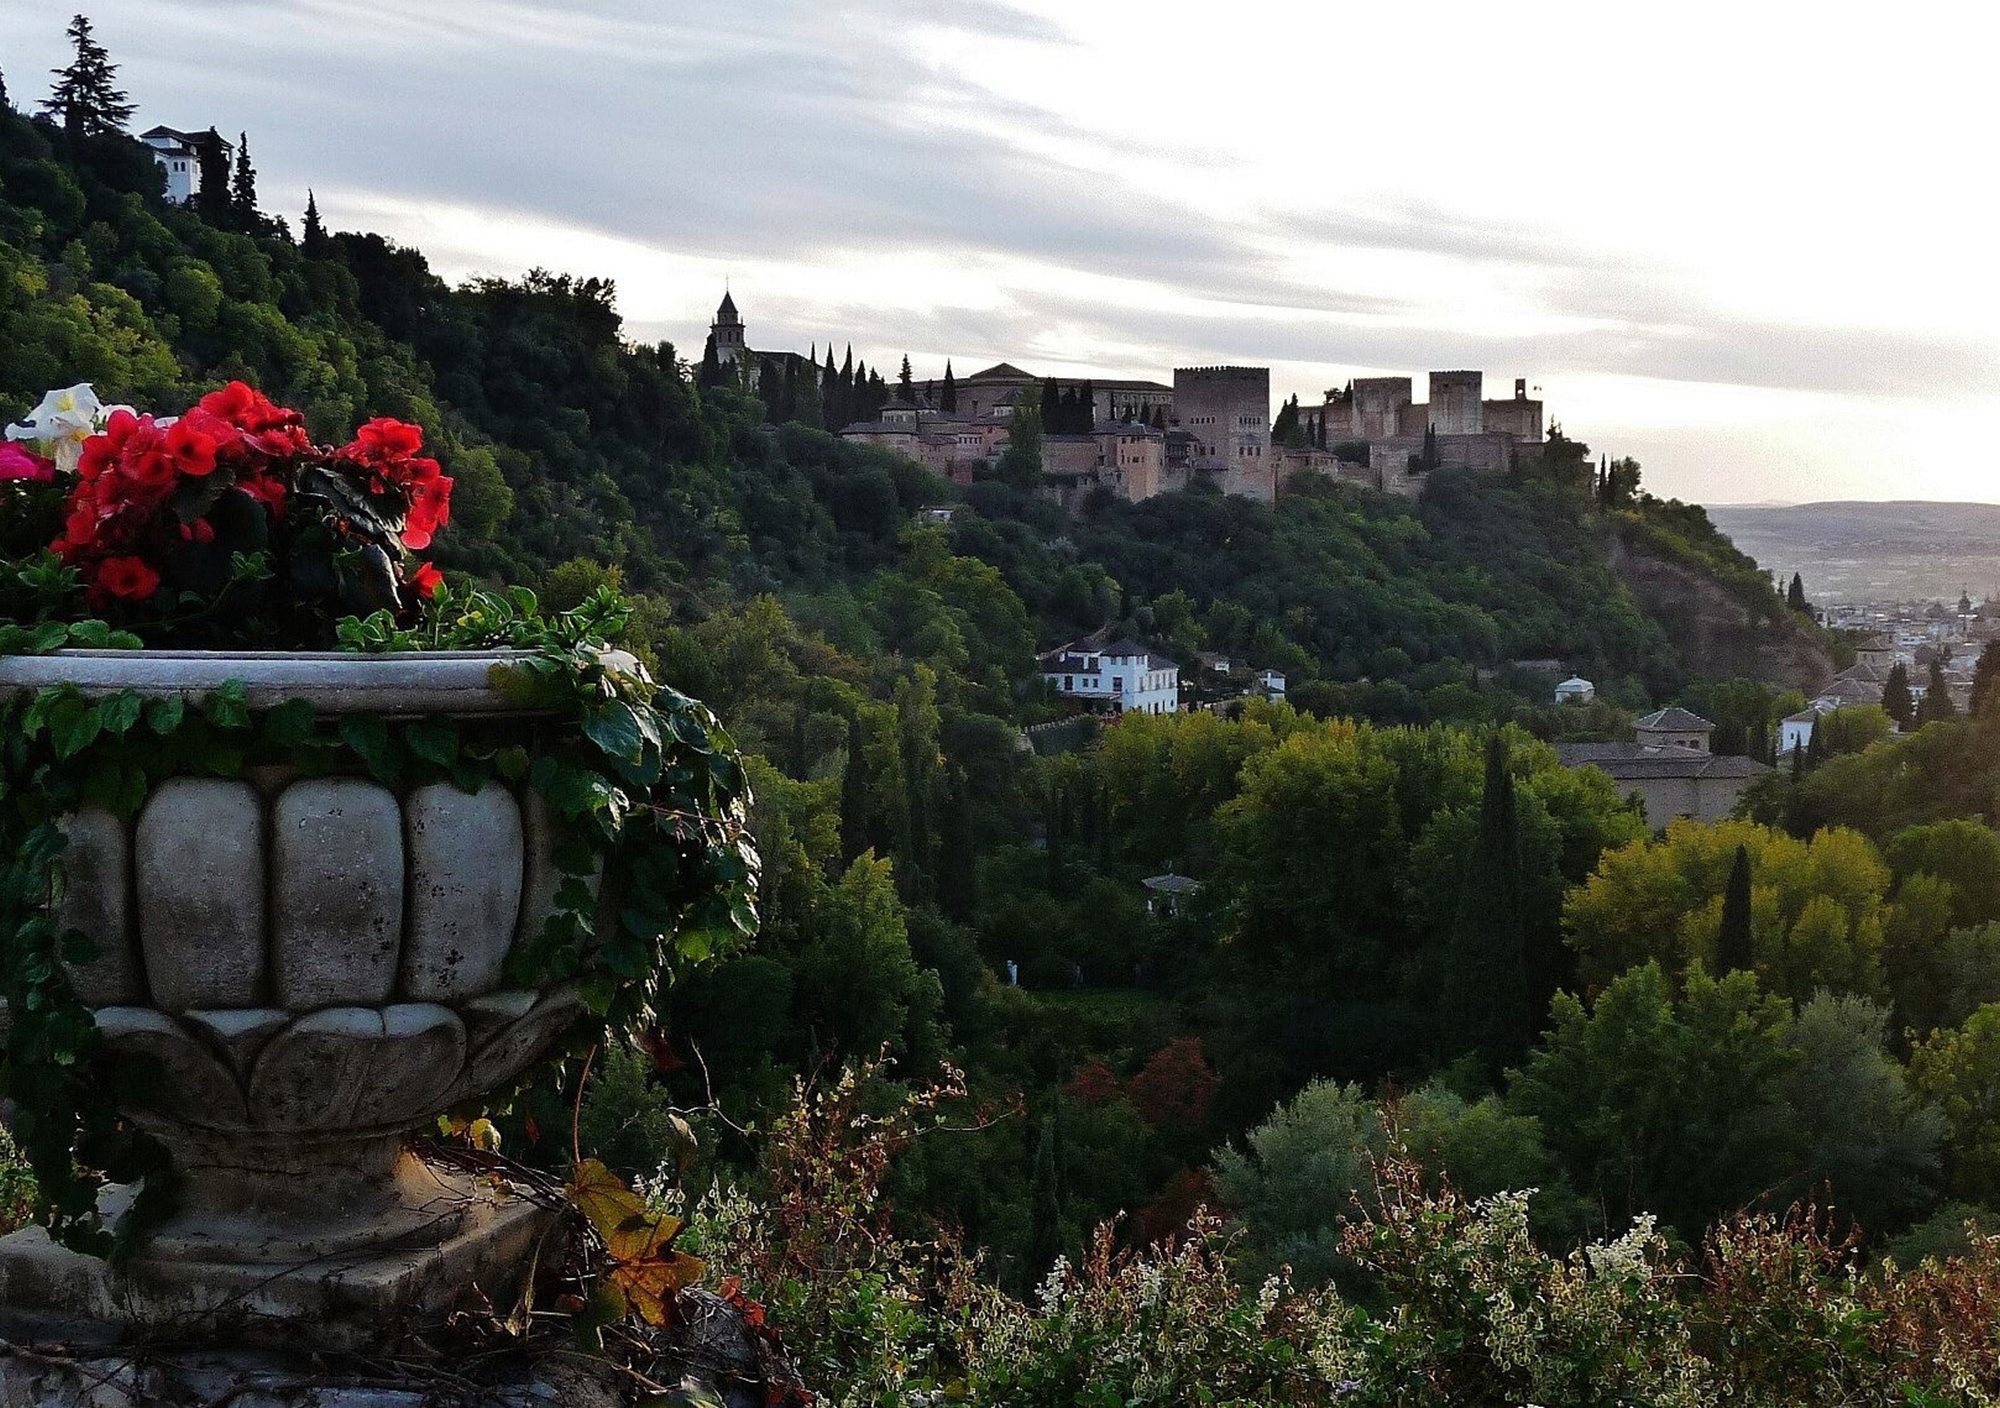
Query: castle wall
x,y
1519,419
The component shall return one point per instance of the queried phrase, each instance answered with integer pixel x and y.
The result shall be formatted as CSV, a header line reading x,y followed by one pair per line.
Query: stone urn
x,y
305,970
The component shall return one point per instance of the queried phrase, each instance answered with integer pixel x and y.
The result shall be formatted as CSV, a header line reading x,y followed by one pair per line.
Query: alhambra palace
x,y
1212,425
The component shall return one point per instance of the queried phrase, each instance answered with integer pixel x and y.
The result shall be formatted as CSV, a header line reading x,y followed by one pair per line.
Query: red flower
x,y
430,510
19,462
128,578
426,579
190,448
384,439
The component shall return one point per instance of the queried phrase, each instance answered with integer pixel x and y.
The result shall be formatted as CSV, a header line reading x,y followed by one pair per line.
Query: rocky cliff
x,y
1717,633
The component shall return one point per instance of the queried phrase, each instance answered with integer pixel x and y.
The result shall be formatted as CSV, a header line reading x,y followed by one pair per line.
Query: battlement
x,y
1246,373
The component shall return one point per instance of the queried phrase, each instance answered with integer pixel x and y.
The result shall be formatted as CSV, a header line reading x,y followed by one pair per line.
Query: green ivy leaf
x,y
73,725
120,711
163,716
434,740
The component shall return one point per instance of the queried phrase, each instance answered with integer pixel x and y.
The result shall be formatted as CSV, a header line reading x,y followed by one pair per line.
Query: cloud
x,y
989,179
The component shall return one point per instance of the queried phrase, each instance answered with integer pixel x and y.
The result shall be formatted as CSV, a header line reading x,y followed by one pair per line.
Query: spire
x,y
727,312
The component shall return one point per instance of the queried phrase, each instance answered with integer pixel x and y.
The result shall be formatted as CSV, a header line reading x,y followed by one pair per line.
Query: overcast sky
x,y
1750,244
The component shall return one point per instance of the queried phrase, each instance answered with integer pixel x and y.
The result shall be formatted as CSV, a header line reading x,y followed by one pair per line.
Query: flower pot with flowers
x,y
299,851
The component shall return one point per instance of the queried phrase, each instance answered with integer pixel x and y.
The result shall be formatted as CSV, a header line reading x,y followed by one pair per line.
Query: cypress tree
x,y
1795,595
1985,675
906,388
948,398
1159,417
1045,1238
829,393
212,166
710,373
1732,940
853,796
771,391
957,874
313,234
86,98
1487,984
1799,761
6,103
243,186
850,403
1051,408
1937,705
1086,401
1897,701
789,396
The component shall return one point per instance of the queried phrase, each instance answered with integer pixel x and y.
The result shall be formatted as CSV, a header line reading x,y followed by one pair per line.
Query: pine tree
x,y
1897,702
1732,940
313,238
85,98
1795,596
1937,706
243,187
1985,675
948,398
1487,985
906,388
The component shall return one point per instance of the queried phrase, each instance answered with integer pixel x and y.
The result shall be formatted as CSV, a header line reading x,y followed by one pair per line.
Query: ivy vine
x,y
646,786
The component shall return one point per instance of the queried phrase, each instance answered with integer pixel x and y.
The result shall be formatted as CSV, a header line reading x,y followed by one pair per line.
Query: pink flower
x,y
18,462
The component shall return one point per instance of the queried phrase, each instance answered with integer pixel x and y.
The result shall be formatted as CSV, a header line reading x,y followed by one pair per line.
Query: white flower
x,y
65,419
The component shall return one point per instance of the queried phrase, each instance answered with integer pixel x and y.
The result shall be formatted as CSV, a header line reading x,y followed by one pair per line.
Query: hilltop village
x,y
1135,439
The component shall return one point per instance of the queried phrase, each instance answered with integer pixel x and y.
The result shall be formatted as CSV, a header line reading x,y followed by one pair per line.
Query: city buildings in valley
x,y
1122,677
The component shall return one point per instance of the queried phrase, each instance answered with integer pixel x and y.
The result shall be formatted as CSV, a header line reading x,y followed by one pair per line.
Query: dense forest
x,y
1418,943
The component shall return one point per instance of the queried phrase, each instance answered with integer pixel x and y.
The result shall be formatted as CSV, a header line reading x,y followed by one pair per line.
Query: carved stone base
x,y
458,1233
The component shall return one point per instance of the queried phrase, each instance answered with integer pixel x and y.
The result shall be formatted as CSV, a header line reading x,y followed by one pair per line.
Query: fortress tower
x,y
1456,407
1228,411
1379,404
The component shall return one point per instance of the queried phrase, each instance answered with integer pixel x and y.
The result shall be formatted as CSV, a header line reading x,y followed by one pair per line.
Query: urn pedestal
x,y
292,974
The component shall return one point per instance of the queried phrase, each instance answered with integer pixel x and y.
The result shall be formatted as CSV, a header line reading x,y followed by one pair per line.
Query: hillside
x,y
567,442
1857,551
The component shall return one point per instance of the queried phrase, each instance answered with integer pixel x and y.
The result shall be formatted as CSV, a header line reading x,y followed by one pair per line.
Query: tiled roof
x,y
1172,884
1673,719
1632,762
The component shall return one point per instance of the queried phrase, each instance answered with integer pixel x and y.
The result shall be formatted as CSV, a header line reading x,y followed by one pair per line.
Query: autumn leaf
x,y
645,1269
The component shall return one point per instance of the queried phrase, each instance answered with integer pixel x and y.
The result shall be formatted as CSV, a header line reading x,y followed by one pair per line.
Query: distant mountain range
x,y
1909,549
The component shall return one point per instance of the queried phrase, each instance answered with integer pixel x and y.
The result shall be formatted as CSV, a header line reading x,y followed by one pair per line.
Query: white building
x,y
1575,690
1121,678
1795,731
179,155
1272,682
